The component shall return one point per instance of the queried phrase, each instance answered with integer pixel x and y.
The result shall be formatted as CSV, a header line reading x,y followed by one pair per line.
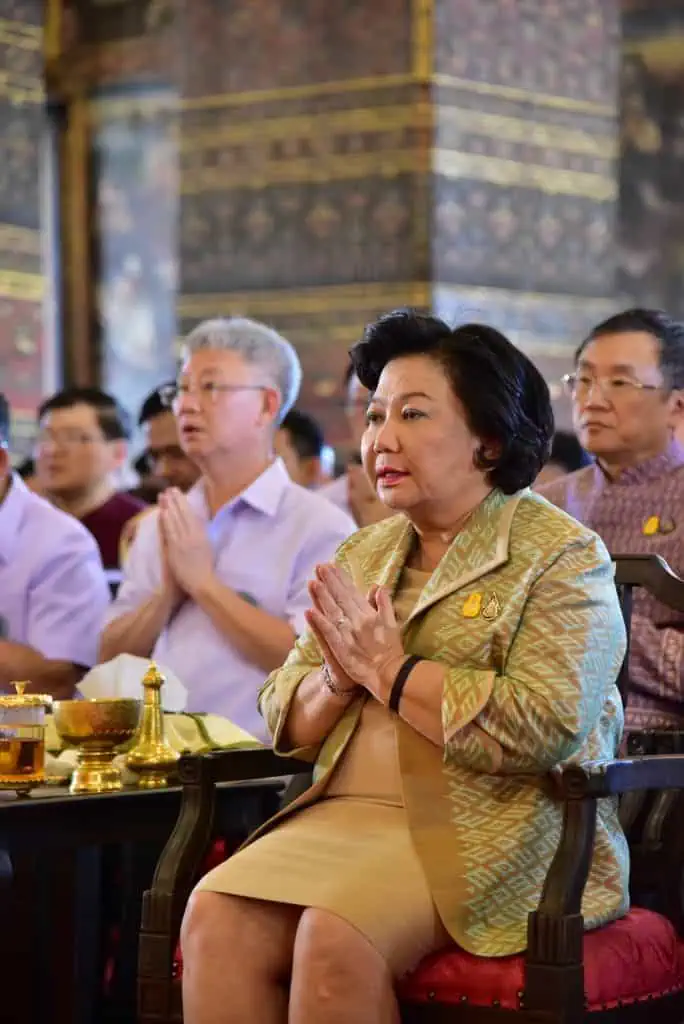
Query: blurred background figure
x,y
148,487
53,592
166,463
352,491
26,469
301,445
82,441
567,455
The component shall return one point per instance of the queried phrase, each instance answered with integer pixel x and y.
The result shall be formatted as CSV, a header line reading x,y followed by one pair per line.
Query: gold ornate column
x,y
525,168
343,161
305,134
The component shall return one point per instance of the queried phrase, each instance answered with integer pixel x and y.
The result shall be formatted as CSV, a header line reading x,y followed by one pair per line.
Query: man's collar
x,y
660,465
11,513
264,494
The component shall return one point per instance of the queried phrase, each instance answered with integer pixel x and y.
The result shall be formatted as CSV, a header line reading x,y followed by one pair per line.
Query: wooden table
x,y
70,866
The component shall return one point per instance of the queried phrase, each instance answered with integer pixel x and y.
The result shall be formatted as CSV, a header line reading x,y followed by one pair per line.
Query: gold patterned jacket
x,y
523,613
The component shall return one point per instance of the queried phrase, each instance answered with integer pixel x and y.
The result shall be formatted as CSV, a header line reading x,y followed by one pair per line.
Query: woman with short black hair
x,y
457,652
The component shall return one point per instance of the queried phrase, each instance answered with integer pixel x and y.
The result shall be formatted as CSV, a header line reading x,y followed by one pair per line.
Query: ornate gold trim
x,y
52,45
18,33
371,296
295,92
531,133
392,118
305,301
308,126
422,29
21,88
22,95
24,287
368,83
17,239
664,53
486,293
390,163
456,166
524,95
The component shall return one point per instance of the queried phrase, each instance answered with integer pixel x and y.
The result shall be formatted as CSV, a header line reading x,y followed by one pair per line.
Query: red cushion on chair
x,y
634,958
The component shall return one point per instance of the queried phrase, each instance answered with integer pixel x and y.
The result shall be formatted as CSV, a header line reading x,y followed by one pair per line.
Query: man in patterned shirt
x,y
628,403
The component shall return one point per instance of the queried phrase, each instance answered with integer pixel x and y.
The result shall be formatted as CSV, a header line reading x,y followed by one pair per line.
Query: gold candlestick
x,y
151,758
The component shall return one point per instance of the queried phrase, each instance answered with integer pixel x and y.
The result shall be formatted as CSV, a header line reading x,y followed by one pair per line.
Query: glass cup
x,y
22,738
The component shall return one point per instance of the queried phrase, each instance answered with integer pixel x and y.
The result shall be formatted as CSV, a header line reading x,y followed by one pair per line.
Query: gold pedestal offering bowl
x,y
97,728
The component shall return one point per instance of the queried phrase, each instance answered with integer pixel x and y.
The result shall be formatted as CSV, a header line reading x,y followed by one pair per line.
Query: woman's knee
x,y
331,955
210,922
243,930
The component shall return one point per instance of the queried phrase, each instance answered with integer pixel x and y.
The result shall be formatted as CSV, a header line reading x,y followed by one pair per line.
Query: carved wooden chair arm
x,y
579,786
242,764
198,775
555,931
179,864
596,779
653,574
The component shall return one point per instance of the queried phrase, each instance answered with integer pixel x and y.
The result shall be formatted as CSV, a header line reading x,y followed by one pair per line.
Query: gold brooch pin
x,y
491,607
651,526
472,606
667,526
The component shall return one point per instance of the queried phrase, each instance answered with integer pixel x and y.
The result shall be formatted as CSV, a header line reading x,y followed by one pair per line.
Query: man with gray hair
x,y
215,585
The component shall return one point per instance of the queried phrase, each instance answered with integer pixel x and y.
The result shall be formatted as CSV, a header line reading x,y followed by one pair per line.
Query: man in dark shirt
x,y
82,441
169,465
300,443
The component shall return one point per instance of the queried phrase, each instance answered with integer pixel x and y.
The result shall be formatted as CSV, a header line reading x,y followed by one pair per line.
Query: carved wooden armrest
x,y
237,765
556,928
579,786
653,574
179,864
198,775
596,779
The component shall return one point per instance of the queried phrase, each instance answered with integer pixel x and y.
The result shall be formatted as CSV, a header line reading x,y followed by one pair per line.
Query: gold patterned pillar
x,y
340,160
525,169
305,170
23,344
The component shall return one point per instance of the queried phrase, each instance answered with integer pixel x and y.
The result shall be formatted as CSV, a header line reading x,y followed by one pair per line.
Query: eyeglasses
x,y
65,438
208,391
579,385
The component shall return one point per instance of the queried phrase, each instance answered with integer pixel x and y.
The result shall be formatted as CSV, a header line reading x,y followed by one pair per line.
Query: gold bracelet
x,y
337,691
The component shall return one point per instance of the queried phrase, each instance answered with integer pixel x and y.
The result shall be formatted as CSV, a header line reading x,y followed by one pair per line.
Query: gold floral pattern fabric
x,y
523,613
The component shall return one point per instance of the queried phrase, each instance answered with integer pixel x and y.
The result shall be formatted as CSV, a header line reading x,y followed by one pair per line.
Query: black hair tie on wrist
x,y
400,682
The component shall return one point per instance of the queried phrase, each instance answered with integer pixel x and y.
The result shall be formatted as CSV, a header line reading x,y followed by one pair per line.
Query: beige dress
x,y
351,852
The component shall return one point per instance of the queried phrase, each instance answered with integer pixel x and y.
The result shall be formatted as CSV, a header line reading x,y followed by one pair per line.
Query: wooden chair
x,y
629,971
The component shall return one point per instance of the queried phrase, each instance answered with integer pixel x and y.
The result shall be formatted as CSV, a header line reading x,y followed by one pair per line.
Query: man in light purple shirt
x,y
215,586
53,591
